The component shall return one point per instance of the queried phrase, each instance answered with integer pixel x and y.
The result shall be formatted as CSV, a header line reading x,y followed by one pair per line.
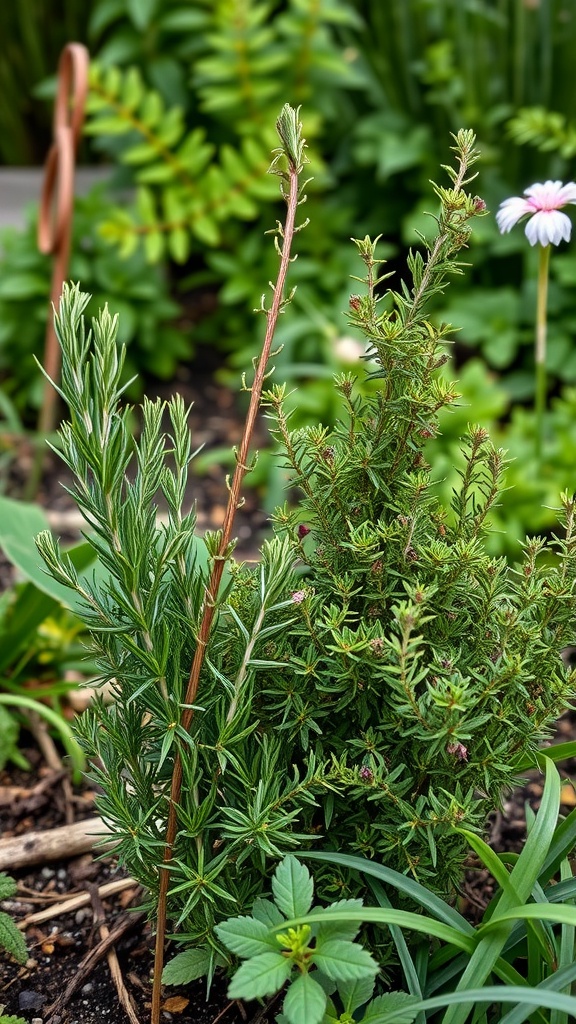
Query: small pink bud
x,y
459,750
355,302
298,596
303,531
366,773
479,204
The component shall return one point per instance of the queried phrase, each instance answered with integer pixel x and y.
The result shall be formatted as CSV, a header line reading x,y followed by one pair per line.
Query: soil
x,y
68,978
57,985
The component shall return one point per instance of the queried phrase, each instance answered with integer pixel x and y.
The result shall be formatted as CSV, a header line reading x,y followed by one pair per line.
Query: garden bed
x,y
67,953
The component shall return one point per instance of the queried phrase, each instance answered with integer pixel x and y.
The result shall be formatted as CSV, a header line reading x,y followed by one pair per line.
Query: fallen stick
x,y
124,997
71,903
54,844
86,966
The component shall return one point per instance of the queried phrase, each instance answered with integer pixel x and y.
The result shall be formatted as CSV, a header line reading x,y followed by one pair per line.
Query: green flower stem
x,y
540,351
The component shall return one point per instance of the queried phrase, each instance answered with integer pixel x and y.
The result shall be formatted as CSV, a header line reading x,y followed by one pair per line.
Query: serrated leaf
x,y
340,929
265,911
263,975
11,1019
246,936
186,967
344,961
293,887
11,939
305,1001
355,993
378,1011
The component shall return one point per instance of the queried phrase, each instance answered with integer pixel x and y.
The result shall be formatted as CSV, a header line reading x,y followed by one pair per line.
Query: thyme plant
x,y
374,683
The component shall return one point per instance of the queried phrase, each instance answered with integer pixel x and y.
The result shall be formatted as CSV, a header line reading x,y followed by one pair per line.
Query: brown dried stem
x,y
234,502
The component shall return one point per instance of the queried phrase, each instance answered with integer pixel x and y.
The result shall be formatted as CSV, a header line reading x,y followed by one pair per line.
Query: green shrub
x,y
374,683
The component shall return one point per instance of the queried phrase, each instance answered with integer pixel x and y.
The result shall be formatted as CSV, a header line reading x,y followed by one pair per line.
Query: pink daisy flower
x,y
542,204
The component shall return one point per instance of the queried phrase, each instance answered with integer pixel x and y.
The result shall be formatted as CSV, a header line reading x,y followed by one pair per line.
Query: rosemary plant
x,y
374,683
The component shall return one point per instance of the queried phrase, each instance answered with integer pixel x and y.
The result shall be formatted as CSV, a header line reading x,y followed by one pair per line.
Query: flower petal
x,y
551,195
568,192
548,227
510,212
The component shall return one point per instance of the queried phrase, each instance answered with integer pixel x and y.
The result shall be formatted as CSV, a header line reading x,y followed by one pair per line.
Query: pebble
x,y
88,988
36,1020
81,915
30,1000
47,873
62,874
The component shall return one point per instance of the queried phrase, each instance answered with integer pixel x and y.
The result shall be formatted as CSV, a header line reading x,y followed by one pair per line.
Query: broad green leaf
x,y
263,975
267,912
400,1003
293,887
305,1001
344,961
355,993
186,967
340,929
246,936
19,525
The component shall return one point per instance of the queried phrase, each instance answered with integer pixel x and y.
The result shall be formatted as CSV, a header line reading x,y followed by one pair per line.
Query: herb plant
x,y
375,682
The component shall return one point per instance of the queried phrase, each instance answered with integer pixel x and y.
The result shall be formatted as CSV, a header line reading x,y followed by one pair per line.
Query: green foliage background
x,y
182,100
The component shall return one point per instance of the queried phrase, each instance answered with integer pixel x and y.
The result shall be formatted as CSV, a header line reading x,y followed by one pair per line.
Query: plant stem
x,y
540,350
234,502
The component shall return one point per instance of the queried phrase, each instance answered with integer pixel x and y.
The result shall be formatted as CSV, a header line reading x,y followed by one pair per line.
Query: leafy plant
x,y
136,290
518,943
375,682
40,638
325,959
11,939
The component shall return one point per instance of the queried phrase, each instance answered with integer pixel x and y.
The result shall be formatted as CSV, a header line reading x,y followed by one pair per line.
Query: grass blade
x,y
522,879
